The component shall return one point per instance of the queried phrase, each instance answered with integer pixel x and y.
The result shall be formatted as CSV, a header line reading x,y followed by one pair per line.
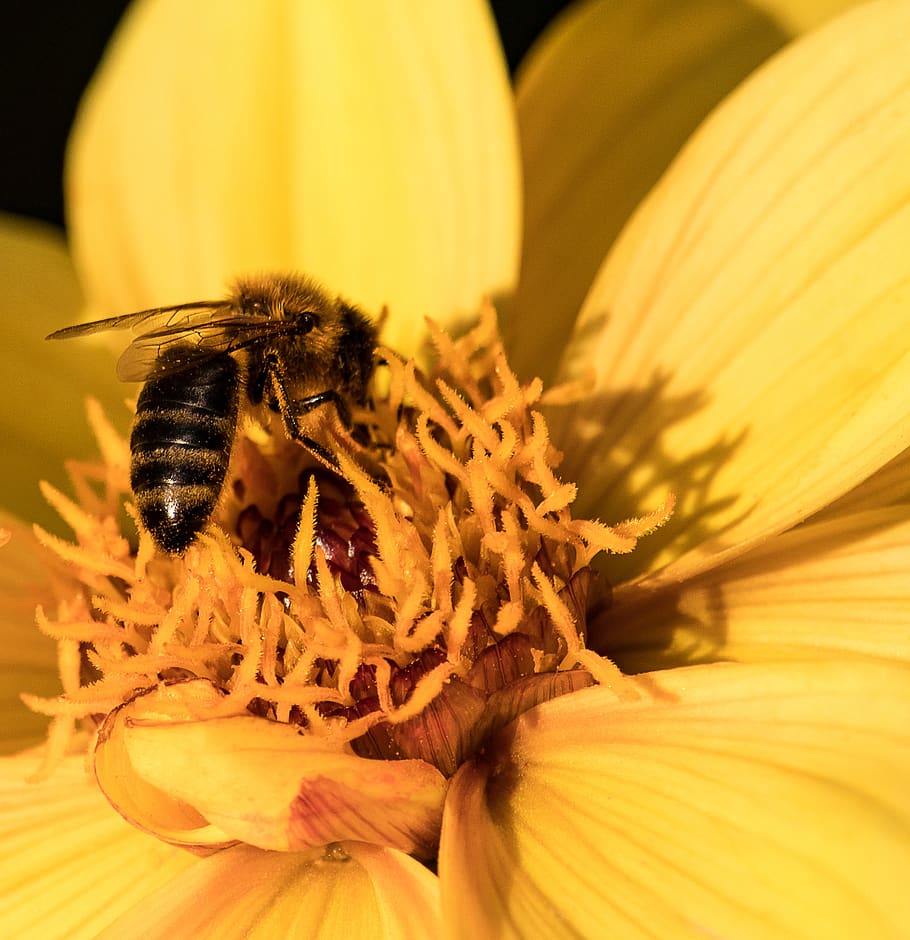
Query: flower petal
x,y
372,146
147,806
735,801
838,585
758,358
348,890
605,101
28,660
890,486
43,416
174,777
69,865
798,16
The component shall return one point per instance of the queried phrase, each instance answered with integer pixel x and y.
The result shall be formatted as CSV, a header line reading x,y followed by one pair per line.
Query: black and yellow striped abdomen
x,y
181,445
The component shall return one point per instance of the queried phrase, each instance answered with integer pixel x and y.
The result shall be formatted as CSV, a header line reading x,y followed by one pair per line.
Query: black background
x,y
47,55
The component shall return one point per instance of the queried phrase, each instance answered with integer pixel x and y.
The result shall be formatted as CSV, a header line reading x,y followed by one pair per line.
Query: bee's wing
x,y
171,349
156,317
174,338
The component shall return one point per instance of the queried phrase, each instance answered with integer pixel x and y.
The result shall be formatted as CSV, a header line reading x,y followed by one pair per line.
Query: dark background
x,y
47,55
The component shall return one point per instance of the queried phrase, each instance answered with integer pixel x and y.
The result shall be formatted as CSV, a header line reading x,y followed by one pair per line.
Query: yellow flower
x,y
744,346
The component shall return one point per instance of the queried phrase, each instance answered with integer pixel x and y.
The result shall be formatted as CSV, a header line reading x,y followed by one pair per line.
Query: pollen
x,y
406,606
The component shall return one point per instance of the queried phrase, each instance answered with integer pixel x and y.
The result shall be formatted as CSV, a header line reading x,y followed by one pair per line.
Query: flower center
x,y
344,533
407,609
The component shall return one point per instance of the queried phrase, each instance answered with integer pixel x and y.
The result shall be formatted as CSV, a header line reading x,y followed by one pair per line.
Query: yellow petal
x,y
28,660
605,101
203,782
756,356
371,146
69,865
42,417
733,801
147,806
890,486
838,585
349,890
797,16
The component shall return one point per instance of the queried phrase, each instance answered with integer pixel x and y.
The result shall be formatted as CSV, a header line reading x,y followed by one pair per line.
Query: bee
x,y
279,341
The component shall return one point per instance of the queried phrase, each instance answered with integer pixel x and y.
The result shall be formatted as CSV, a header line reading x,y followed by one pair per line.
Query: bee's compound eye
x,y
258,307
308,321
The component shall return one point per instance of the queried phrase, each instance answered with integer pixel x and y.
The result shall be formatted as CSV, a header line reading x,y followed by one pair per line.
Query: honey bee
x,y
281,341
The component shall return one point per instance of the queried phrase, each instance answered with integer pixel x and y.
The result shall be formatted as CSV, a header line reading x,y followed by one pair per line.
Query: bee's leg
x,y
257,383
317,450
303,406
298,406
289,416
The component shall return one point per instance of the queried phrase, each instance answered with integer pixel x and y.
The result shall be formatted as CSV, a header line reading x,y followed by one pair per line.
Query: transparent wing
x,y
175,338
166,351
174,317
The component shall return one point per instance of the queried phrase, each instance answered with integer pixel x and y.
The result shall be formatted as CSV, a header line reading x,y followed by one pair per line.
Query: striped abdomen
x,y
181,444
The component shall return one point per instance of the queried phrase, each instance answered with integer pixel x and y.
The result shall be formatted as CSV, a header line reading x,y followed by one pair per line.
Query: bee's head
x,y
331,340
287,297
